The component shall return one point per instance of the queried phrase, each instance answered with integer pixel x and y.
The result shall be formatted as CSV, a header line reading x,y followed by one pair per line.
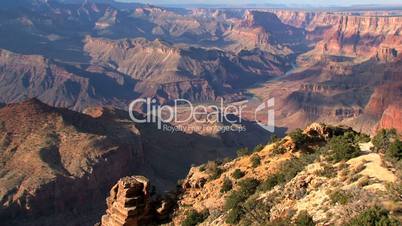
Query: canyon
x,y
70,68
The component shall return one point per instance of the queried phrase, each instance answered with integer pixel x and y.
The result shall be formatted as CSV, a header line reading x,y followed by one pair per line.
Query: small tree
x,y
342,148
274,138
234,215
271,182
383,139
212,168
255,160
242,152
298,137
237,174
193,217
227,185
258,148
248,186
394,151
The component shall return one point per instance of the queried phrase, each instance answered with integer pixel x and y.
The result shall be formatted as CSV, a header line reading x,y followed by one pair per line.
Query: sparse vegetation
x,y
242,152
374,216
394,152
342,148
202,168
288,170
363,138
193,217
227,185
226,160
233,202
237,174
274,139
299,138
304,219
339,197
278,149
255,160
258,148
213,169
51,139
234,215
271,182
383,139
386,141
364,181
326,171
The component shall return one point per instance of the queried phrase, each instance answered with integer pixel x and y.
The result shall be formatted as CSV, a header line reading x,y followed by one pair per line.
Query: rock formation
x,y
128,203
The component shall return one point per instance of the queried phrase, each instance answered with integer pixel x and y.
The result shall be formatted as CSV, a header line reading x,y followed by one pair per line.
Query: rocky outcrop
x,y
128,203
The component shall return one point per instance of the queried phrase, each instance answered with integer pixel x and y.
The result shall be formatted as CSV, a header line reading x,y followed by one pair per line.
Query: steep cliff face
x,y
362,36
349,34
391,118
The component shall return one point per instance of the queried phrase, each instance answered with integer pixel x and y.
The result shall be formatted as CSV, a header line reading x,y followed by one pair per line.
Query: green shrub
x,y
258,148
227,185
364,138
271,182
193,217
340,197
374,216
202,168
234,201
234,215
274,138
212,168
304,219
237,174
215,174
299,138
255,160
52,139
292,167
394,152
342,148
288,170
242,152
383,139
278,150
248,186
